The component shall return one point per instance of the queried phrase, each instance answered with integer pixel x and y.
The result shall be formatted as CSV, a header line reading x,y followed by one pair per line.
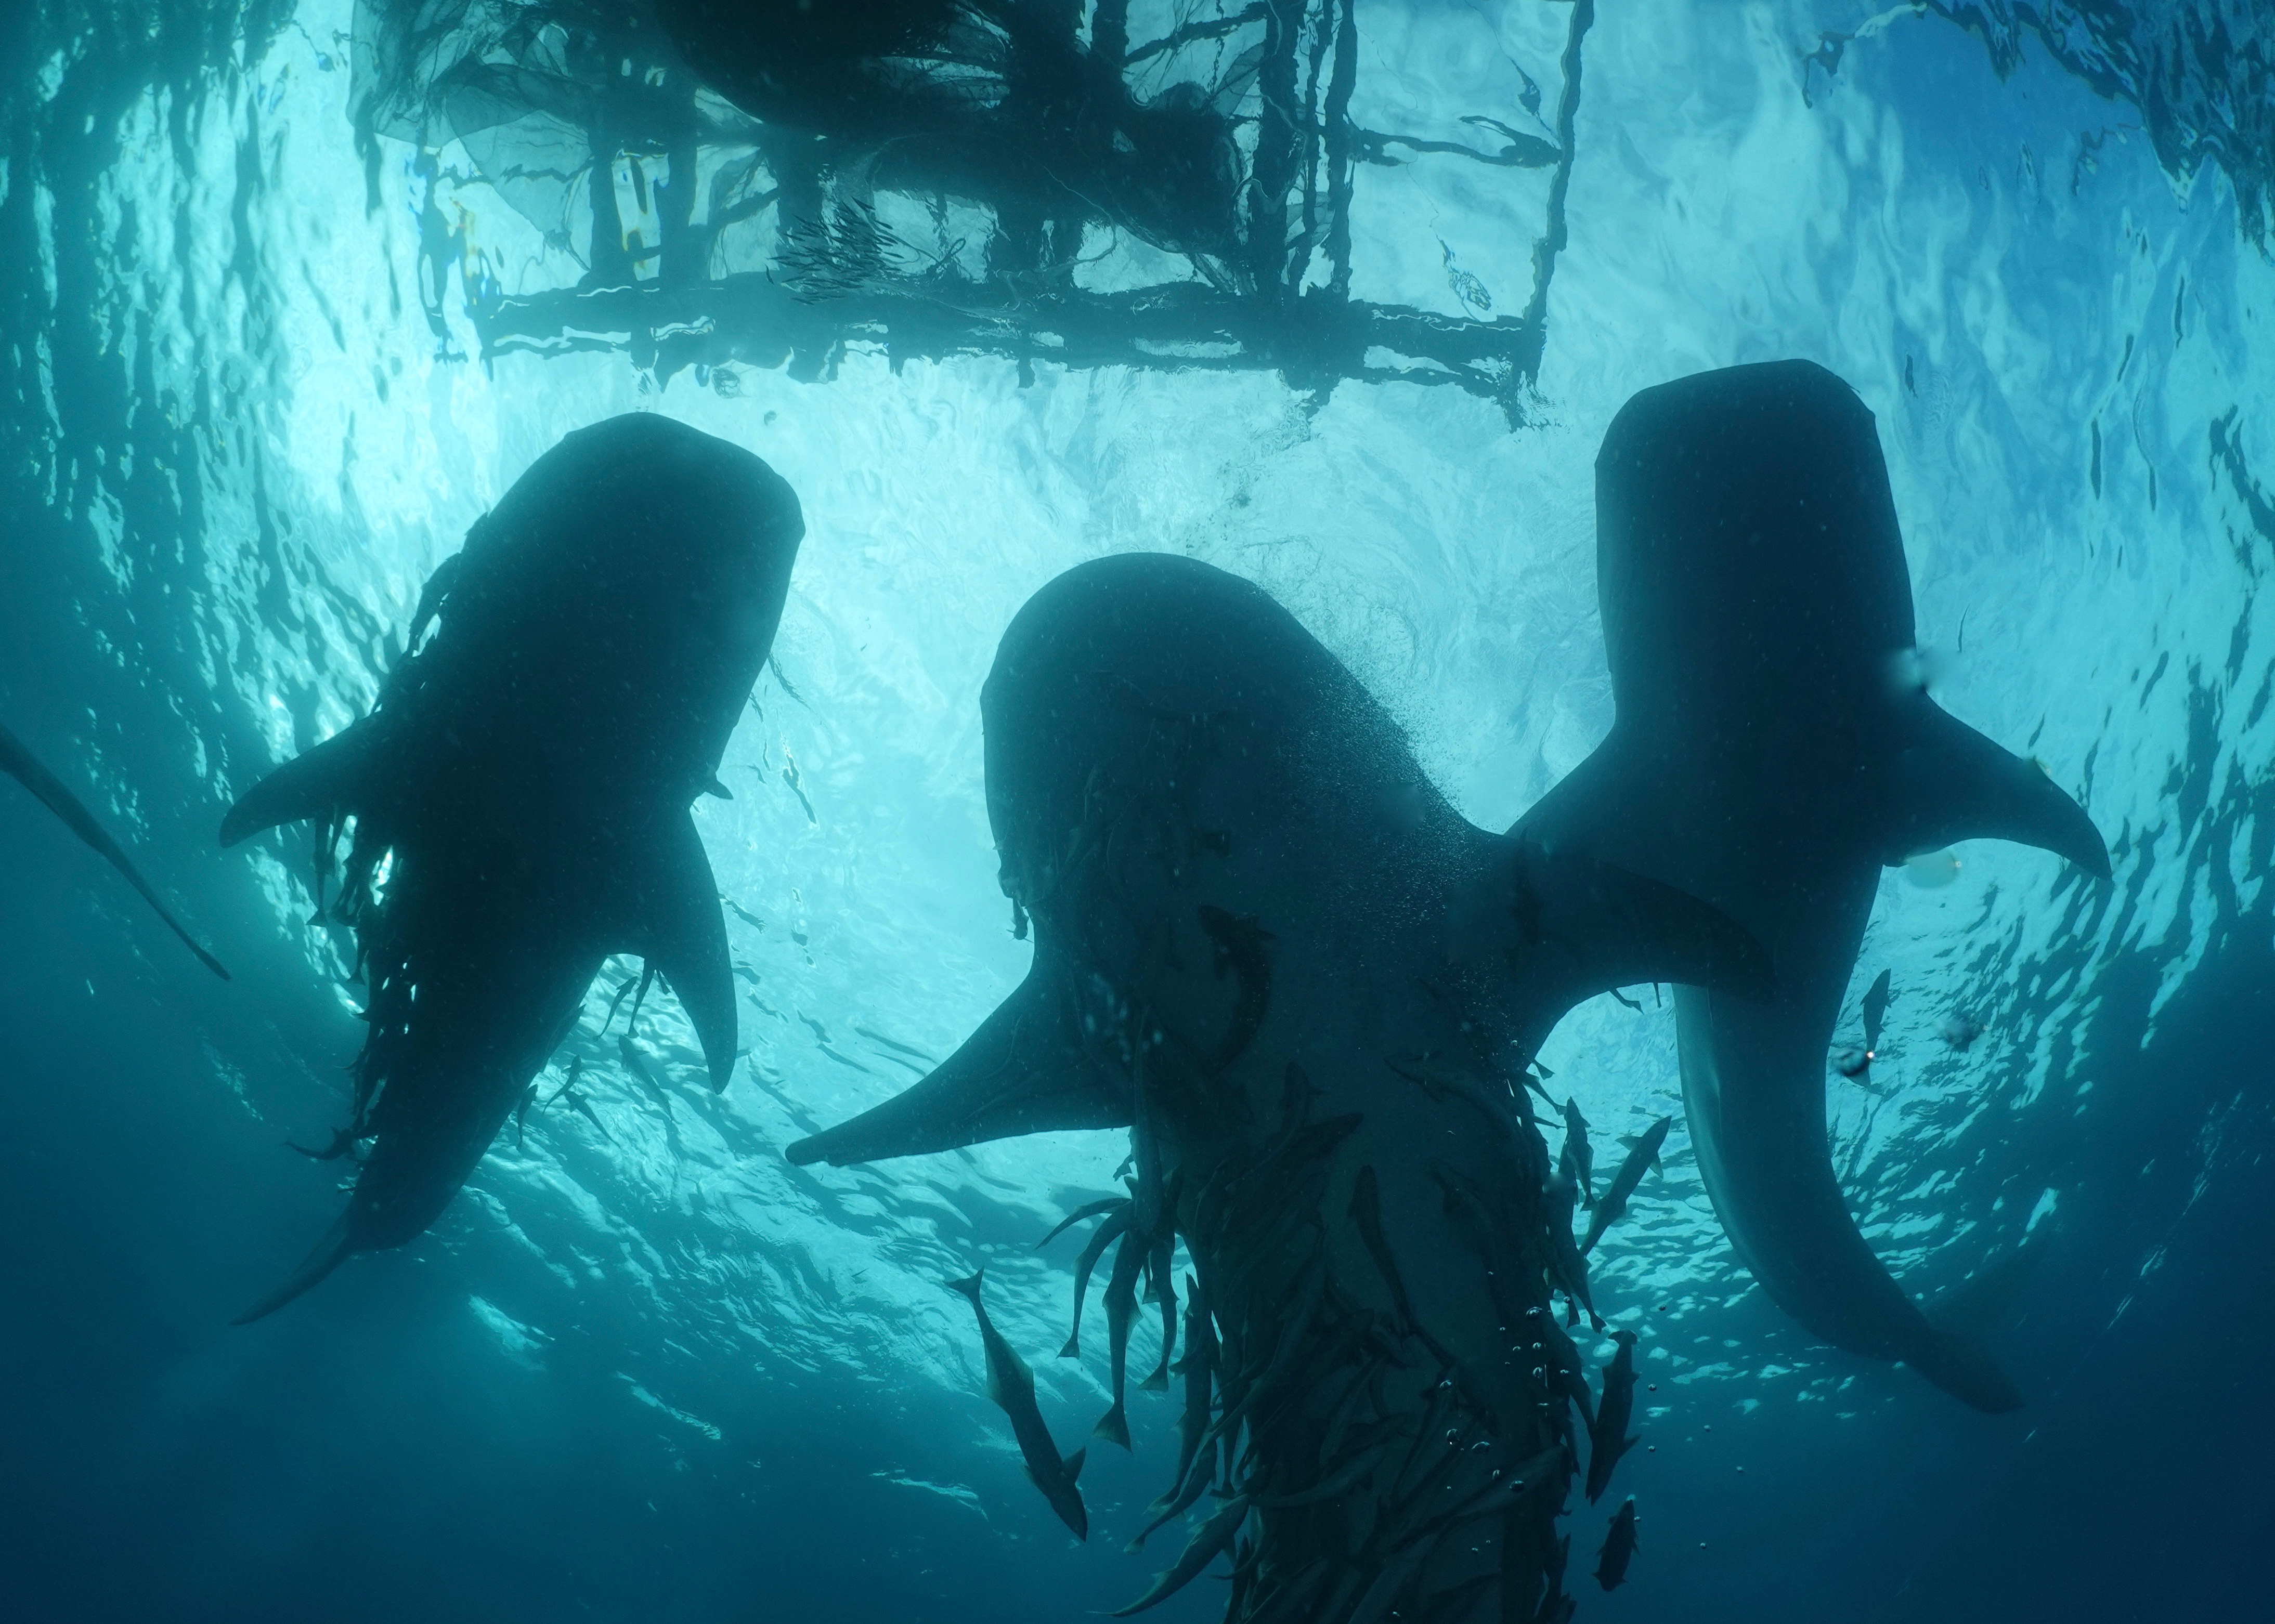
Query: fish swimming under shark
x,y
1619,1549
1576,1161
1266,945
1607,1436
1641,1158
1011,1384
1857,1064
1769,756
525,779
17,761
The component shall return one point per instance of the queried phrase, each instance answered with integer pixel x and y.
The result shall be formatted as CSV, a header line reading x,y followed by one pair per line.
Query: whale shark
x,y
520,794
1773,750
17,761
1265,944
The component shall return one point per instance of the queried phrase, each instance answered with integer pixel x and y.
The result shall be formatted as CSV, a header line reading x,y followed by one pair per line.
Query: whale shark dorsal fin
x,y
1949,783
308,786
677,924
1572,925
1024,1071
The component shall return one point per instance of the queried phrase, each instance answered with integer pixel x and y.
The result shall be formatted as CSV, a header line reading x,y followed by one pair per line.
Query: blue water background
x,y
624,1379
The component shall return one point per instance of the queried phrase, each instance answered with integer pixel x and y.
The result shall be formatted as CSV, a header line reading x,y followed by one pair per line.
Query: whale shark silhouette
x,y
1770,755
1267,944
1223,647
520,794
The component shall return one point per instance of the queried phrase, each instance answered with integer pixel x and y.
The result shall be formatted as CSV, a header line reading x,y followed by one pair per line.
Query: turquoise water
x,y
260,379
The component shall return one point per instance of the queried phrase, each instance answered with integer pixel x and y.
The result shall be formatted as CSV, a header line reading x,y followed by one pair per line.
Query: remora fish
x,y
526,776
1138,700
1568,1265
1876,1011
21,765
1619,1549
1643,1156
1607,1438
1199,1369
1202,1548
1857,1062
1763,757
1011,1384
1577,1160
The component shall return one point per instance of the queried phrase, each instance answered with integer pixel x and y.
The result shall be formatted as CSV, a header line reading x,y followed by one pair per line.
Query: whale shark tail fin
x,y
1024,1071
1570,925
1968,1313
308,786
1984,1300
337,1246
1964,1369
1951,783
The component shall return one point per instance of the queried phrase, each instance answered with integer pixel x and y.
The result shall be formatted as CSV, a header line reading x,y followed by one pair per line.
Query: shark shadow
x,y
1269,947
1773,747
519,795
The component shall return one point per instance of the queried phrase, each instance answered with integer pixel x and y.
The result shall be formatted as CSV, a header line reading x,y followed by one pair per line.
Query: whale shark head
x,y
628,587
1171,756
1747,553
1212,828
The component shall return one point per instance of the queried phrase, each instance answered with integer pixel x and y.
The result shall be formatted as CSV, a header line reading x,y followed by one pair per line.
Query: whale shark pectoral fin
x,y
1951,783
678,925
308,786
1576,926
19,763
1024,1071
